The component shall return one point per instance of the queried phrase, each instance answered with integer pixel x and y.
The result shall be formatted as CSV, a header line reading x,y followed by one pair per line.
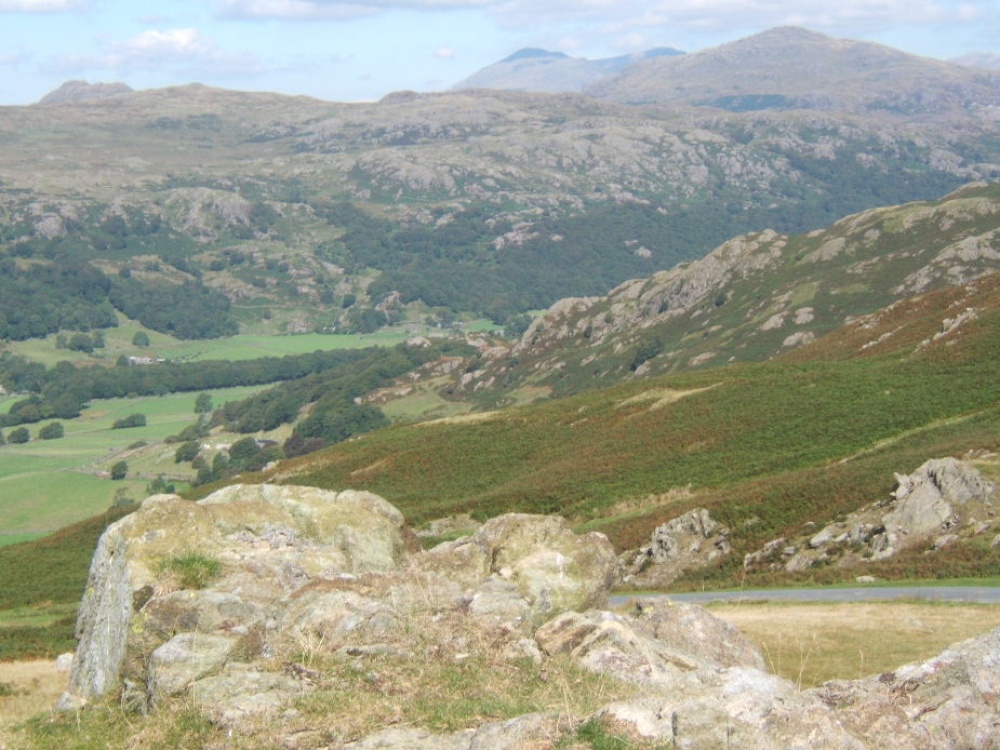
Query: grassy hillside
x,y
48,484
768,447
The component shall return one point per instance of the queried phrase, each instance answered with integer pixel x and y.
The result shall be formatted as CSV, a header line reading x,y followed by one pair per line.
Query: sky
x,y
361,50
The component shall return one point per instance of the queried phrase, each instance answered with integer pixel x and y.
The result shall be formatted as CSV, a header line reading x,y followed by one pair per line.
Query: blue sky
x,y
351,50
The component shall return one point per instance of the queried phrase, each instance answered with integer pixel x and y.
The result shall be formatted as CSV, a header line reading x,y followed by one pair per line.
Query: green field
x,y
118,341
47,484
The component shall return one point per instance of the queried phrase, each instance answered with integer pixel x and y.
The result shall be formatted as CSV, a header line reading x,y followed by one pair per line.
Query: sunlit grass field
x,y
118,341
48,484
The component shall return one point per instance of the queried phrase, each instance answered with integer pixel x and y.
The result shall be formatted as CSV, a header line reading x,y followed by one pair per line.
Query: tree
x,y
140,339
133,420
51,431
160,486
18,435
81,342
119,470
242,451
265,456
203,403
2,441
187,451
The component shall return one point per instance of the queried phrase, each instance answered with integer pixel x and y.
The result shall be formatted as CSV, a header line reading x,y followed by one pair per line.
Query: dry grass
x,y
28,688
449,690
662,397
811,643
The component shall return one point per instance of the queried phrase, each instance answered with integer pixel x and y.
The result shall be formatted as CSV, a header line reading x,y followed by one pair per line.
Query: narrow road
x,y
966,594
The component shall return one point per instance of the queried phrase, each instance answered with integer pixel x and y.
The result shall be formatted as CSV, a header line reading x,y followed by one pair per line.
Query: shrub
x,y
51,431
119,470
133,420
19,435
187,452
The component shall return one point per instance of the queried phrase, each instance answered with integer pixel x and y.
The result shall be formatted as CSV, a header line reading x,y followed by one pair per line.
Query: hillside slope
x,y
751,299
767,447
552,72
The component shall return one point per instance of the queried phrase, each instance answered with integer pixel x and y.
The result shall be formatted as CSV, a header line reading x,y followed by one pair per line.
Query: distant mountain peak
x,y
527,53
78,91
541,70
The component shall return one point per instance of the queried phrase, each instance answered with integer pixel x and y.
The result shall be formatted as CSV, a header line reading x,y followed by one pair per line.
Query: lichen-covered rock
x,y
241,691
735,707
181,594
255,545
554,569
654,644
186,658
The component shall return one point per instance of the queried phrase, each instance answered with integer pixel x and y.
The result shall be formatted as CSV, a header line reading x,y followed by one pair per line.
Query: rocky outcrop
x,y
181,594
943,501
689,541
219,600
950,701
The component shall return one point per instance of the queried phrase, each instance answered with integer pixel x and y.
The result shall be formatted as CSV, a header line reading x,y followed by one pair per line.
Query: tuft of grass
x,y
190,570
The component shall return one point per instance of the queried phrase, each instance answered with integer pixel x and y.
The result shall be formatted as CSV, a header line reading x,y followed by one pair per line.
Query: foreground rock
x,y
180,591
213,600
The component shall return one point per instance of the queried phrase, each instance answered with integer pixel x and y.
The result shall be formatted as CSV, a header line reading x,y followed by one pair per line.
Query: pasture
x,y
118,341
48,484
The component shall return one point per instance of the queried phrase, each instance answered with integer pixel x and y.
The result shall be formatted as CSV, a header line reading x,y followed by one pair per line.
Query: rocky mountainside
x,y
302,621
561,186
757,296
792,68
552,72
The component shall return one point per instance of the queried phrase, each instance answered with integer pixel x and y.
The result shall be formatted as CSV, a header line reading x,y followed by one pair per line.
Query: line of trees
x,y
71,295
62,390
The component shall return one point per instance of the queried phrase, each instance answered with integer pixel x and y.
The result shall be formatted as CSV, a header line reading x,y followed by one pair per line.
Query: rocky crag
x,y
943,501
212,599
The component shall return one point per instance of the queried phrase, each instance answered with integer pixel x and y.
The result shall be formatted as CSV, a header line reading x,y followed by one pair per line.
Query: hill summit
x,y
81,91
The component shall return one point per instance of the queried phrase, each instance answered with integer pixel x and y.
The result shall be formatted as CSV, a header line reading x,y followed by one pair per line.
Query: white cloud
x,y
293,10
616,16
13,59
306,10
180,50
41,6
444,53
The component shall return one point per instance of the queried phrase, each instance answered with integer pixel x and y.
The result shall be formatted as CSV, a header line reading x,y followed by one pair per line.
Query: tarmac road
x,y
966,594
